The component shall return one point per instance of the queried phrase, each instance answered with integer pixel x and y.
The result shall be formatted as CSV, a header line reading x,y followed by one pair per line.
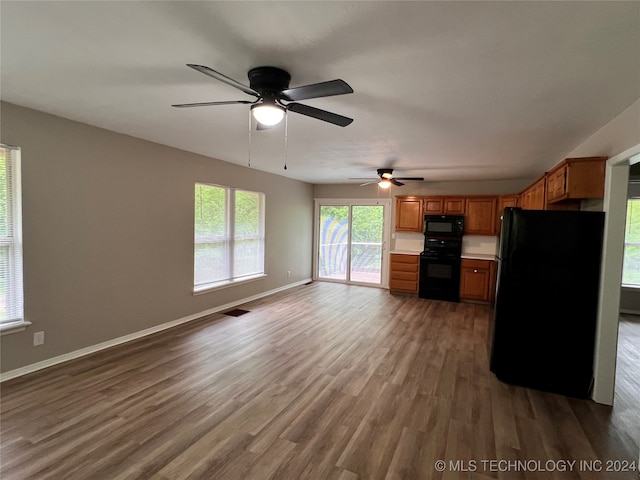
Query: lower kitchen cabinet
x,y
477,280
403,273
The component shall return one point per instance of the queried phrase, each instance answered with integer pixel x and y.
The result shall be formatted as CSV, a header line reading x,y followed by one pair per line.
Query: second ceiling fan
x,y
270,87
387,179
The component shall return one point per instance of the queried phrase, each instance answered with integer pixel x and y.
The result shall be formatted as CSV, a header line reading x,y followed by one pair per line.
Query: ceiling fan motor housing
x,y
269,81
385,173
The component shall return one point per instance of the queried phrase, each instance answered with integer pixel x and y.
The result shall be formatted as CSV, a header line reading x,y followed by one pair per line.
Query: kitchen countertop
x,y
405,252
478,256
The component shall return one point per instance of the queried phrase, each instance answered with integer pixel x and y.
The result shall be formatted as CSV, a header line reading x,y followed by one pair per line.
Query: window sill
x,y
13,327
630,286
226,284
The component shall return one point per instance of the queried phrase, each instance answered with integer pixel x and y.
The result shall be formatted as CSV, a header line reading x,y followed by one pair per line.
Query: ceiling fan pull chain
x,y
286,137
249,150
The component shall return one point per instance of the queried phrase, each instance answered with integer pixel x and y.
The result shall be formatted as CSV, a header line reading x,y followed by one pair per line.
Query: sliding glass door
x,y
351,241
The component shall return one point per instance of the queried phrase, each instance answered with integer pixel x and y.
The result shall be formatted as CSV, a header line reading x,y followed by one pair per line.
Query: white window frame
x,y
12,242
229,240
626,243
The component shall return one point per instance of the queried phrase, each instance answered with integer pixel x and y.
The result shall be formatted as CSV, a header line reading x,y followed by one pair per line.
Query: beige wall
x,y
108,233
616,136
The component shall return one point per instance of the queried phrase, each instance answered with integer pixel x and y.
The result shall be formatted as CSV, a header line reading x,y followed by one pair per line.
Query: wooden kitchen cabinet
x,y
480,215
409,217
534,197
477,280
563,187
454,205
403,273
504,201
433,206
576,178
556,185
444,205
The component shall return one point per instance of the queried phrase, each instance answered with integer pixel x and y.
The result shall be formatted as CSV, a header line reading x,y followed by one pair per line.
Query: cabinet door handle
x,y
475,270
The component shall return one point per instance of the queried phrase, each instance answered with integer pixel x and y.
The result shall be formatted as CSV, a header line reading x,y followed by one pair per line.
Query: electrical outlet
x,y
38,338
288,273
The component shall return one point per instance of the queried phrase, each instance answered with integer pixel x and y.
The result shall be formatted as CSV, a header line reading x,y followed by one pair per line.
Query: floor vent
x,y
236,312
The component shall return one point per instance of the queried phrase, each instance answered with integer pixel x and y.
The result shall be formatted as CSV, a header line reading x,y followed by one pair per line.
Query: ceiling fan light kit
x,y
268,114
384,183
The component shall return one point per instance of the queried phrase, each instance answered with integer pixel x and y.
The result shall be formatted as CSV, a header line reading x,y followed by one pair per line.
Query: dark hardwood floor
x,y
324,381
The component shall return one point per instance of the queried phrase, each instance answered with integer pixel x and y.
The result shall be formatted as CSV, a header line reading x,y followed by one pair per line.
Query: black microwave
x,y
443,225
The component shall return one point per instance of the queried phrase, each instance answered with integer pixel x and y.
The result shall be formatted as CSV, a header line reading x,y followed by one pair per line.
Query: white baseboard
x,y
18,372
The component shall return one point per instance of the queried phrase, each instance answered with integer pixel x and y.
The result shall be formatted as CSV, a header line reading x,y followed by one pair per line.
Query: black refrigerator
x,y
542,333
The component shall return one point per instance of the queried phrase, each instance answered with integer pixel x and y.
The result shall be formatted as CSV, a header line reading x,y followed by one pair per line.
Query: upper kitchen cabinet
x,y
454,205
534,197
433,206
480,215
444,205
576,179
504,201
409,217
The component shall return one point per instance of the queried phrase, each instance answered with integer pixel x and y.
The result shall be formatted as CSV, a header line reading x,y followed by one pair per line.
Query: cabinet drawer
x,y
474,263
403,267
403,258
403,286
410,276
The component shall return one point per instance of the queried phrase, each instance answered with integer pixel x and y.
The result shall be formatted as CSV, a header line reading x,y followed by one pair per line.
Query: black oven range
x,y
440,269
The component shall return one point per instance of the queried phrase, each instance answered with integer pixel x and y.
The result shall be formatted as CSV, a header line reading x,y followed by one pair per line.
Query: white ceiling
x,y
444,90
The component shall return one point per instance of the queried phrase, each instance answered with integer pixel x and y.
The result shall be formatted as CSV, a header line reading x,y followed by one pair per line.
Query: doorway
x,y
615,200
351,241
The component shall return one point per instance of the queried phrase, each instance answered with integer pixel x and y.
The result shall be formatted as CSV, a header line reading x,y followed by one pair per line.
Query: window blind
x,y
229,235
11,292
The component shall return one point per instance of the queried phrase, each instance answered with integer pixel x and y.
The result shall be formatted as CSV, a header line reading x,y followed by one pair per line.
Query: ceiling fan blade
x,y
419,179
396,182
208,104
324,89
369,183
320,114
223,78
